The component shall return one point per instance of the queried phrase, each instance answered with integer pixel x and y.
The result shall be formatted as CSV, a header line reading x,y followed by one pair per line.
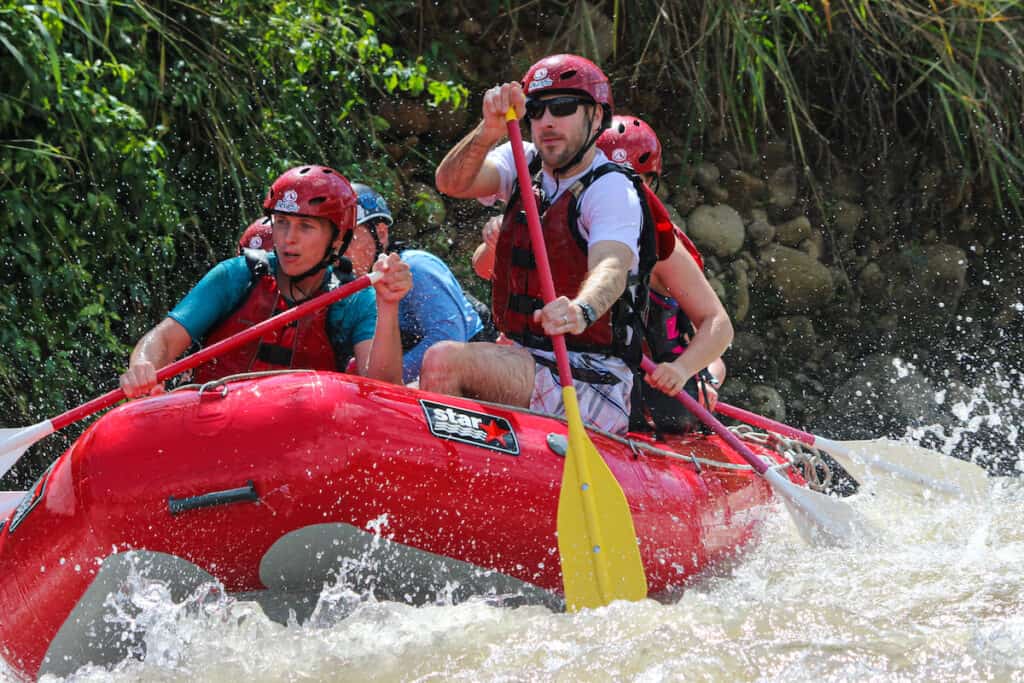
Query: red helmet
x,y
570,74
631,141
259,235
314,191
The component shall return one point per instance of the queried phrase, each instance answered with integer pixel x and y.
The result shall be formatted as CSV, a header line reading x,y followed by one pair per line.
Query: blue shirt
x,y
435,310
223,289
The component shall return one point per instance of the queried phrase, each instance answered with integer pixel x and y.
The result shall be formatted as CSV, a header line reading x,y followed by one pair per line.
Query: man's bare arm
x,y
609,263
465,172
158,347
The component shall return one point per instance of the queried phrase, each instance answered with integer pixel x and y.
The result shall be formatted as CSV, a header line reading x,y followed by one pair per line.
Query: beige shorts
x,y
604,406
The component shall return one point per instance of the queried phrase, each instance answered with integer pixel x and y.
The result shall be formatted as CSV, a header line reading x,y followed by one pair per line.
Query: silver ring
x,y
565,320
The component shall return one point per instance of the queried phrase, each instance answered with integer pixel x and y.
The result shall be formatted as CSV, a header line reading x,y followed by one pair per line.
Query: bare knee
x,y
439,370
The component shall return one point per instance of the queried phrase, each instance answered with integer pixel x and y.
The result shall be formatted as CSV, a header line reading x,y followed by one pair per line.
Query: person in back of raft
x,y
313,213
259,235
684,314
436,309
593,221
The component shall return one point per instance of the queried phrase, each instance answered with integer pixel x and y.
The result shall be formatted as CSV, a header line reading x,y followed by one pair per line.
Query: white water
x,y
939,596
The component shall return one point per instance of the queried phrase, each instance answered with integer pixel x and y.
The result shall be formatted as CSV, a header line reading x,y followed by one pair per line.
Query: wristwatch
x,y
589,314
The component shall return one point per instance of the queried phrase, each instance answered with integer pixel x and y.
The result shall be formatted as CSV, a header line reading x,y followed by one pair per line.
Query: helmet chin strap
x,y
585,147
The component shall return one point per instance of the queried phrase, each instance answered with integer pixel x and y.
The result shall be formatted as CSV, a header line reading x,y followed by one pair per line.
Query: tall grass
x,y
860,78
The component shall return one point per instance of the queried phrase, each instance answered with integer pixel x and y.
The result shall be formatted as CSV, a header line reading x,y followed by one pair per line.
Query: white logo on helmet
x,y
619,156
288,202
540,80
255,242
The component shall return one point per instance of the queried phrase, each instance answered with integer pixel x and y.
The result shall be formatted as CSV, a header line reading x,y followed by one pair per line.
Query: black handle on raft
x,y
243,494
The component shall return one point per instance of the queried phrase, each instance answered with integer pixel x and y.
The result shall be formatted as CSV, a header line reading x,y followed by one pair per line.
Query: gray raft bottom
x,y
295,570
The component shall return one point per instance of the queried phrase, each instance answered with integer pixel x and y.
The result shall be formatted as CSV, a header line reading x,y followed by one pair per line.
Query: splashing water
x,y
939,596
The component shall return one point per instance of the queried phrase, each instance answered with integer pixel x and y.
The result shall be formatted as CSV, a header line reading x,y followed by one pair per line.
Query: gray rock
x,y
686,199
927,285
745,189
792,233
760,232
886,394
740,300
794,336
783,187
846,217
801,283
716,229
706,175
765,400
747,348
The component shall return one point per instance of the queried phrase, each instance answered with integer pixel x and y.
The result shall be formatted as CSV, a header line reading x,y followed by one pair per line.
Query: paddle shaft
x,y
717,427
547,284
187,363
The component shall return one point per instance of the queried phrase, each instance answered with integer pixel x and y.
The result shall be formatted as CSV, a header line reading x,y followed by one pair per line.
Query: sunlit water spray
x,y
937,595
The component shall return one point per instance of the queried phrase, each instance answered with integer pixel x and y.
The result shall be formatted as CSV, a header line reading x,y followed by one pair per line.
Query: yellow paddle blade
x,y
596,539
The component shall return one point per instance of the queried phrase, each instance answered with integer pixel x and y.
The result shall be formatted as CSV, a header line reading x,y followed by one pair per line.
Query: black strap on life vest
x,y
629,311
258,262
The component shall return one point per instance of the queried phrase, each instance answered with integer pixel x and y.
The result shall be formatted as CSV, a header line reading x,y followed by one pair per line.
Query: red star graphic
x,y
495,433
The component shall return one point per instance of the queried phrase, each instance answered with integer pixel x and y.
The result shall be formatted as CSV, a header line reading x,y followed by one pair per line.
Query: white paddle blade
x,y
909,468
821,520
14,441
9,501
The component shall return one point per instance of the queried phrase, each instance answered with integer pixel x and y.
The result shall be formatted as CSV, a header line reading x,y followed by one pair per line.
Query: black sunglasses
x,y
558,106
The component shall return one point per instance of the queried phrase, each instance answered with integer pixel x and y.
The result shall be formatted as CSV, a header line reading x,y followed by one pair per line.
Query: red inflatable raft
x,y
271,485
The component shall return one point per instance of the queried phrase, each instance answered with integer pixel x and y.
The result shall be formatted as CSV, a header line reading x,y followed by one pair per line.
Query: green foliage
x,y
137,139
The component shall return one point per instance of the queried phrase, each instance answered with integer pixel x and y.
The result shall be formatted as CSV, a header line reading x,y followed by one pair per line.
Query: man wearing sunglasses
x,y
598,241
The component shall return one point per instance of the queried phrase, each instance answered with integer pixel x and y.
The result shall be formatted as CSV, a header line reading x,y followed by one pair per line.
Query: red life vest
x,y
303,344
516,291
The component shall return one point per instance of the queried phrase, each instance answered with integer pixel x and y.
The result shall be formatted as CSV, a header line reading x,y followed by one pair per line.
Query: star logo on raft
x,y
455,423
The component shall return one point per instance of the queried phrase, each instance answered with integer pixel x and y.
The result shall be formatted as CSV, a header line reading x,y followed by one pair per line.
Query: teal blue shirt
x,y
223,289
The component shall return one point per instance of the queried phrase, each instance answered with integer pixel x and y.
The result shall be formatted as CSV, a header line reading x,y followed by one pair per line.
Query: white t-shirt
x,y
609,211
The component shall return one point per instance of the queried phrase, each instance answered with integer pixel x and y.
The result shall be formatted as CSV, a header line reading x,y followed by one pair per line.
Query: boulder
x,y
767,401
928,282
802,283
792,233
716,229
887,394
706,175
846,217
783,187
760,232
745,189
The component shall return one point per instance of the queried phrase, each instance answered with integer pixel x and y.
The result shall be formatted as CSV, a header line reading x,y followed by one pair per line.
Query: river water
x,y
936,595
